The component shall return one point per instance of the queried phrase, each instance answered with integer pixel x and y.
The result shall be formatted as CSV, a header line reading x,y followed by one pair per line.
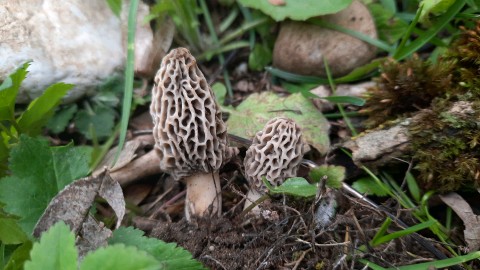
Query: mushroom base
x,y
253,196
204,196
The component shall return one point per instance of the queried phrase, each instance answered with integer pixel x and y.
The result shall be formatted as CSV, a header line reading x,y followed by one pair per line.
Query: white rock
x,y
73,41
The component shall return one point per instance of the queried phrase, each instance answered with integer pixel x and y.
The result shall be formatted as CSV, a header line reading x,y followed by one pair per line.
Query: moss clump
x,y
443,100
404,88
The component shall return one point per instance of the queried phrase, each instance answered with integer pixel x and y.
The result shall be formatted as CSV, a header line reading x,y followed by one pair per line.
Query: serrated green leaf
x,y
335,175
295,186
19,257
119,257
260,56
369,186
254,112
9,90
101,119
56,250
168,254
297,10
60,120
39,172
10,232
41,109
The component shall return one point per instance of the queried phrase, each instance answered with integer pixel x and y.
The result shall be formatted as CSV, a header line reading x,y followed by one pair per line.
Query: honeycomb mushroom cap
x,y
189,132
276,153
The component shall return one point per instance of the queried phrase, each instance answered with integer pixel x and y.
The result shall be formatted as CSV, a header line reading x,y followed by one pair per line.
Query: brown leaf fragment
x,y
73,203
470,220
92,235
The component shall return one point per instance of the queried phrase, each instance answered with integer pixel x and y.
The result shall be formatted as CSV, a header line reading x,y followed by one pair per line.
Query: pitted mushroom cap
x,y
190,135
275,153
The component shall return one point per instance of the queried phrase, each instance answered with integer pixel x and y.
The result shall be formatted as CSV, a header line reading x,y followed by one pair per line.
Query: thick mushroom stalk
x,y
190,136
275,153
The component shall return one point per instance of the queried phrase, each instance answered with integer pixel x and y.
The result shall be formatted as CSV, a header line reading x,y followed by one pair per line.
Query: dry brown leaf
x,y
470,220
73,203
93,235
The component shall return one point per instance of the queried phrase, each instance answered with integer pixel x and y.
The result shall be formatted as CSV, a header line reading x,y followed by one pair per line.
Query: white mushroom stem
x,y
252,196
203,195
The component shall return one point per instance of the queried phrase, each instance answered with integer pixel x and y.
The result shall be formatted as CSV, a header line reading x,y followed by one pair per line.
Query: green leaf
x,y
19,257
168,254
434,7
389,237
390,28
10,232
295,186
101,119
3,156
115,6
220,91
9,90
41,109
39,172
62,117
369,186
260,56
56,250
119,257
254,112
335,175
297,10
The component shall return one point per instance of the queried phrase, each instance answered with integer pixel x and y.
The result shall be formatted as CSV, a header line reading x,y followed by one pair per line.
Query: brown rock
x,y
301,47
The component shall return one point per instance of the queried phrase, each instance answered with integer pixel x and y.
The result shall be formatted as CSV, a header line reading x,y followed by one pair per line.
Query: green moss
x,y
404,88
443,100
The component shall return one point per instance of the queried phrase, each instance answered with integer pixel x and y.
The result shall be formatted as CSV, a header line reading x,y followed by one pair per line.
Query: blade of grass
x,y
373,41
340,107
227,22
441,263
404,232
249,25
128,91
406,50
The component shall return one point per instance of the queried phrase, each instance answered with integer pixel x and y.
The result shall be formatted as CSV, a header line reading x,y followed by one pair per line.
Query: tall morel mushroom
x,y
276,153
190,136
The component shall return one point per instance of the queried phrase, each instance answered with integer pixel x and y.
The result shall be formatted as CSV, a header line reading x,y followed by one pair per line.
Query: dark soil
x,y
286,238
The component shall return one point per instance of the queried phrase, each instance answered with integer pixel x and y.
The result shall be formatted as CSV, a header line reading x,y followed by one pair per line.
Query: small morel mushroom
x,y
190,136
276,153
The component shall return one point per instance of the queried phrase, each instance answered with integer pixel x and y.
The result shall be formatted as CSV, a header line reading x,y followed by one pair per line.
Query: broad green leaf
x,y
254,112
10,232
295,186
39,172
9,90
41,109
3,156
120,257
101,119
368,185
115,6
260,56
56,250
61,118
297,10
335,175
19,257
168,254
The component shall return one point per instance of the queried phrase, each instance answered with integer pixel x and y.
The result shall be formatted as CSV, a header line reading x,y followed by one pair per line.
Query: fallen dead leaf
x,y
73,203
470,220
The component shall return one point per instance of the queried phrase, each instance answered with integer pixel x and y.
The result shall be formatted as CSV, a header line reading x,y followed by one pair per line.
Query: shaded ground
x,y
287,239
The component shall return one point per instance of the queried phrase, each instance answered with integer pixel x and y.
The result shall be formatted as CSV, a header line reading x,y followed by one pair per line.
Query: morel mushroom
x,y
190,136
275,153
